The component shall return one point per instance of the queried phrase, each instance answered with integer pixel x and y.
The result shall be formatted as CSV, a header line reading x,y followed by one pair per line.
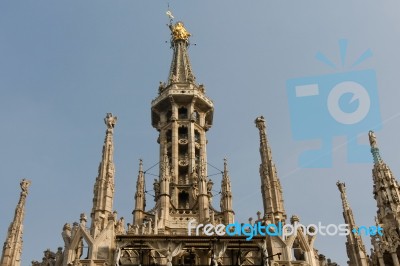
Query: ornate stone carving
x,y
120,227
179,32
210,184
156,187
372,138
195,191
110,121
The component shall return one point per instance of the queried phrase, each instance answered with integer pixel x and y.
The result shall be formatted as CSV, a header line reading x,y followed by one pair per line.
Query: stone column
x,y
395,259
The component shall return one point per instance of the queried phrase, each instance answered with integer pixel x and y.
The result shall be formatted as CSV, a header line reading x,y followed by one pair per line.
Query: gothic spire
x,y
226,197
12,248
104,185
181,69
140,197
386,193
271,190
354,245
182,114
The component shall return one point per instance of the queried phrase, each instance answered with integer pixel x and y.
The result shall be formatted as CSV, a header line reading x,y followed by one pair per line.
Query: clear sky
x,y
65,64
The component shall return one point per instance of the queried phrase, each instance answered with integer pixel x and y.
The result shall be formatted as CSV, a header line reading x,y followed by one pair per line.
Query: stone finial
x,y
341,186
294,219
225,165
374,148
140,165
13,245
110,121
83,219
372,139
25,185
260,122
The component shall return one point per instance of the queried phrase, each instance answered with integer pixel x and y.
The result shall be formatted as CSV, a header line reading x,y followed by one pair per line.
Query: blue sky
x,y
65,64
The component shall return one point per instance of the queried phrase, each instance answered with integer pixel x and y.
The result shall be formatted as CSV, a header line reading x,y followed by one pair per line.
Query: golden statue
x,y
179,32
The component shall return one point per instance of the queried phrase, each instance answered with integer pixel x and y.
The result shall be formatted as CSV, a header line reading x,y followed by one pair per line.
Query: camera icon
x,y
327,106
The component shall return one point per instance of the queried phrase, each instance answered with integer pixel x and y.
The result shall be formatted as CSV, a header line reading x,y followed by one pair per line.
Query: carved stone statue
x,y
260,122
372,138
110,120
161,87
194,116
395,196
156,187
25,184
195,191
385,197
120,226
195,176
210,184
83,219
393,236
341,186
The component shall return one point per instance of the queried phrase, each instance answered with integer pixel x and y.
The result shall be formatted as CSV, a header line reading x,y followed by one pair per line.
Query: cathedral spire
x,y
270,185
12,248
387,195
182,114
104,185
140,197
354,245
181,69
226,197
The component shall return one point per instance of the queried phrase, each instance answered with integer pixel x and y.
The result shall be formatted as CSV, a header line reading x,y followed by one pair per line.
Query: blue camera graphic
x,y
326,106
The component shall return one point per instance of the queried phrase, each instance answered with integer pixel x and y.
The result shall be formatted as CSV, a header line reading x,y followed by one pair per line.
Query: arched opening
x,y
182,113
183,152
183,175
183,200
196,136
183,132
168,135
196,117
298,250
197,155
169,115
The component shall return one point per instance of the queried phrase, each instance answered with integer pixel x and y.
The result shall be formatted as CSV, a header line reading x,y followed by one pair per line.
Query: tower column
x,y
164,189
192,147
175,143
204,214
395,259
191,139
203,151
